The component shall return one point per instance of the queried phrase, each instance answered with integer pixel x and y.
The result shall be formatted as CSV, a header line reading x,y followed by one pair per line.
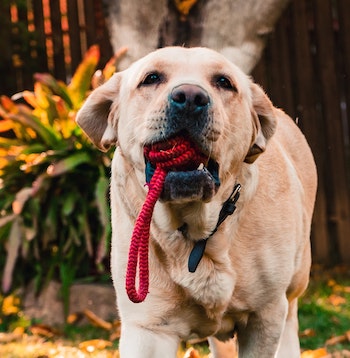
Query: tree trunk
x,y
236,28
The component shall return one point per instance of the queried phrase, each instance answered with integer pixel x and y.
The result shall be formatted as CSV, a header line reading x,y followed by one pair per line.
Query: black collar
x,y
228,208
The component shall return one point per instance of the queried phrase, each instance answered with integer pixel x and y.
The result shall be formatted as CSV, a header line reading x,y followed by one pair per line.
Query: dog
x,y
242,291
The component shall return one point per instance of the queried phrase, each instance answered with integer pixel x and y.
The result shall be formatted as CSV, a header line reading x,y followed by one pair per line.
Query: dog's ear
x,y
99,114
264,122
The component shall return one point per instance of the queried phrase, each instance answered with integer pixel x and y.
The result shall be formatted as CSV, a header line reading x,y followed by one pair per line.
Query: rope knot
x,y
174,154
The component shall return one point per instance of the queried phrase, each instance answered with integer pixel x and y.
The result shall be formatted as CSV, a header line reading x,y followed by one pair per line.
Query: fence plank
x,y
8,83
344,35
310,121
40,42
337,190
74,33
57,40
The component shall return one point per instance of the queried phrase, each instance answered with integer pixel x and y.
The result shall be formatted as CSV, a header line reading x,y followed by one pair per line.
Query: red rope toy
x,y
178,154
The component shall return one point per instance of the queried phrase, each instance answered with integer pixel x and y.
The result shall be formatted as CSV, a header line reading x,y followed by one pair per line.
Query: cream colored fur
x,y
257,264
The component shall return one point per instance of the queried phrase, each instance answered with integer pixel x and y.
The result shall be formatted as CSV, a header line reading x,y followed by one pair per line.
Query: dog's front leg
x,y
260,337
139,342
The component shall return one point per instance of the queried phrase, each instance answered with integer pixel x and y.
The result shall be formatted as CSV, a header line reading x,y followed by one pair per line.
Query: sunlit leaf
x,y
338,339
111,66
10,305
68,163
97,321
32,122
336,300
21,198
5,125
94,344
81,80
57,87
317,353
44,330
8,105
29,97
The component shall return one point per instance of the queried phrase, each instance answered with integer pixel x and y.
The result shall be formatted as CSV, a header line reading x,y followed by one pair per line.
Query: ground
x,y
324,316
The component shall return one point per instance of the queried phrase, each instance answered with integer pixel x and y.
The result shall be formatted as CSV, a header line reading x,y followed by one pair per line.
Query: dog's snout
x,y
189,97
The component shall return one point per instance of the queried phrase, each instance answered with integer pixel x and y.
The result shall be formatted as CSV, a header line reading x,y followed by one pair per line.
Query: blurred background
x,y
54,209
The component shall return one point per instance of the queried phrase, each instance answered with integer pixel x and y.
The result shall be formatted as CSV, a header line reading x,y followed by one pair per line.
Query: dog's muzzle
x,y
197,179
187,110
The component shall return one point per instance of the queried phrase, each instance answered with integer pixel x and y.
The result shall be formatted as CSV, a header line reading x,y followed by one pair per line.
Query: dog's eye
x,y
152,78
225,83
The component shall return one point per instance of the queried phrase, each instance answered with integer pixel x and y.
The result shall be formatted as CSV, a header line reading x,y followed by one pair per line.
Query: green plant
x,y
54,214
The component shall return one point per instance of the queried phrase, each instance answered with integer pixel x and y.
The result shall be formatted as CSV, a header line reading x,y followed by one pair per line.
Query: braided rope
x,y
177,153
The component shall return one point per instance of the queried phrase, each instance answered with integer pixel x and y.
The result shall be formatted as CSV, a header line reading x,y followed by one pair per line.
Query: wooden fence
x,y
48,35
305,69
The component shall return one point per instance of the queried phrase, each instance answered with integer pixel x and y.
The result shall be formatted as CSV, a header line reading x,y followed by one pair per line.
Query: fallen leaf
x,y
309,332
97,321
331,283
318,353
74,317
336,300
10,337
94,344
115,331
338,339
44,330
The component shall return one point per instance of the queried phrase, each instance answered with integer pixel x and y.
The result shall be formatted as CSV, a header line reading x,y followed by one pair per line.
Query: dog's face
x,y
195,93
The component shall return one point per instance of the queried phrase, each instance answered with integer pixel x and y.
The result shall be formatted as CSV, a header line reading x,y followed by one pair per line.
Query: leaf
x,y
338,339
97,321
14,243
6,219
7,143
30,121
57,87
81,80
111,66
68,163
44,330
318,353
21,198
10,305
101,194
68,204
94,344
5,125
336,300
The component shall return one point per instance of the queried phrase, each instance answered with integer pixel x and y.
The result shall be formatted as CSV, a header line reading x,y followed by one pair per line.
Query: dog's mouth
x,y
191,176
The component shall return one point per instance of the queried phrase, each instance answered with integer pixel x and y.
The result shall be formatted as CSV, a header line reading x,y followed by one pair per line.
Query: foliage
x,y
324,312
54,216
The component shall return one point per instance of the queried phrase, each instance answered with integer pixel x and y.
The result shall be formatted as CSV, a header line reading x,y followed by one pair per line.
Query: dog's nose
x,y
189,97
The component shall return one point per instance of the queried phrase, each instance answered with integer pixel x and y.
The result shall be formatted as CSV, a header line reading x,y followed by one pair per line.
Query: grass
x,y
324,317
324,311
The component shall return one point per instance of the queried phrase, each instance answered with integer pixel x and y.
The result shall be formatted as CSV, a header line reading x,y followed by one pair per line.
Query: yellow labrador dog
x,y
246,279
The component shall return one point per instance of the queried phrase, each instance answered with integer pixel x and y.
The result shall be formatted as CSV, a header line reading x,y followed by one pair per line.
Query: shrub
x,y
54,218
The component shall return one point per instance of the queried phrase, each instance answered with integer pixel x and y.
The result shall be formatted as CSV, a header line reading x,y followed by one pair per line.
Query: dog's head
x,y
193,93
